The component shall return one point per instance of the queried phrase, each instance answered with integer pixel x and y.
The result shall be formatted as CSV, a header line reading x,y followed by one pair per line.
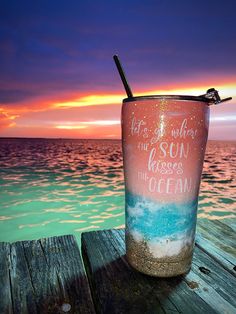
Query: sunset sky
x,y
58,79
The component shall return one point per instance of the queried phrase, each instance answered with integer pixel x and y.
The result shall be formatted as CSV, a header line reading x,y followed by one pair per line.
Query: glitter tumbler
x,y
163,141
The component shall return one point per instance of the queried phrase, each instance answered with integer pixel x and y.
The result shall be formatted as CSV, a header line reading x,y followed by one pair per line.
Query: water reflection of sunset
x,y
218,181
78,185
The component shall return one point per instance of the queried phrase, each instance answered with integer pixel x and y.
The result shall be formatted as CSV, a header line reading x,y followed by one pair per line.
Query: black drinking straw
x,y
122,76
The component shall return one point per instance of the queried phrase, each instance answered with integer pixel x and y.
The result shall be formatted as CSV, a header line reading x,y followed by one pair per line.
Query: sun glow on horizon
x,y
48,119
106,99
85,124
70,127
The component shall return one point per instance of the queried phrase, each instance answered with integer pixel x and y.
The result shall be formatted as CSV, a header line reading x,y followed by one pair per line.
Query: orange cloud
x,y
6,120
103,99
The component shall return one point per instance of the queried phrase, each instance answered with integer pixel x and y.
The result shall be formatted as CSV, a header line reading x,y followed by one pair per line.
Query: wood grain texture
x,y
117,288
215,284
231,222
220,234
227,260
22,289
47,276
5,283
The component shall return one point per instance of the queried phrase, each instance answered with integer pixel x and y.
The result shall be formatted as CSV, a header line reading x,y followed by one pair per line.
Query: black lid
x,y
174,97
211,97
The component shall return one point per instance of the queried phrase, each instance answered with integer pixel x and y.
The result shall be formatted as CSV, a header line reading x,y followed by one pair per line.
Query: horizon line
x,y
97,139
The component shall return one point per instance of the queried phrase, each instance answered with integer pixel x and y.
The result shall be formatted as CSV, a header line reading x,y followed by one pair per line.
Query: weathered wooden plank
x,y
72,279
58,276
117,288
22,289
231,222
209,294
218,233
5,283
44,279
215,284
226,260
44,276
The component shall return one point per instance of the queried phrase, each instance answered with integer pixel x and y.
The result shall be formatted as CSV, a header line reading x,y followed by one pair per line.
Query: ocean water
x,y
60,186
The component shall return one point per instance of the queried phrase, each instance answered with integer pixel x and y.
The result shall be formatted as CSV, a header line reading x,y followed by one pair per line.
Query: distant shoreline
x,y
58,138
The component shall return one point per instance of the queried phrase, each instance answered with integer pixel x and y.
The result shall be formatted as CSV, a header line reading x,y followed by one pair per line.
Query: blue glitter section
x,y
153,219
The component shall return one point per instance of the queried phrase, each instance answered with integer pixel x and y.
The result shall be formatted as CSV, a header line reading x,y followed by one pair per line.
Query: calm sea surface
x,y
53,187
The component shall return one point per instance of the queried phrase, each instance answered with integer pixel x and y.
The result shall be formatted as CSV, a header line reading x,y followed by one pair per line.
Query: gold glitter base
x,y
140,258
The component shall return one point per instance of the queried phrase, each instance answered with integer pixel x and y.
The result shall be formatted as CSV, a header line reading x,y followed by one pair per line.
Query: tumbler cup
x,y
163,142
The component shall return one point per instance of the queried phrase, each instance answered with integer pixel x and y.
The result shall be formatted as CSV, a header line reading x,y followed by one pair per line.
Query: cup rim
x,y
163,97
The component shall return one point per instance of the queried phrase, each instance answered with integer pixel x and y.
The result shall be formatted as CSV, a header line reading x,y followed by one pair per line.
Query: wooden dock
x,y
50,276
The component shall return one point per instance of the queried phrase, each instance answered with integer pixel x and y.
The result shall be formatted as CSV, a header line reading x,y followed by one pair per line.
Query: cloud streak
x,y
6,120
